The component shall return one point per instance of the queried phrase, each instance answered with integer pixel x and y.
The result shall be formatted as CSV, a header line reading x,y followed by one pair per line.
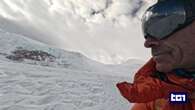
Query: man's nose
x,y
151,42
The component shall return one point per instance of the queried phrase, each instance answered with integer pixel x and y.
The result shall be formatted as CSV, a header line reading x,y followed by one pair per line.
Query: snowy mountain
x,y
35,76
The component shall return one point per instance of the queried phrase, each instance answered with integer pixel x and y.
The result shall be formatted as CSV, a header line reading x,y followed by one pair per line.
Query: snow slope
x,y
57,79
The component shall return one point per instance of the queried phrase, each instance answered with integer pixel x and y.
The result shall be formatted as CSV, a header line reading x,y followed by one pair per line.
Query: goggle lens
x,y
163,19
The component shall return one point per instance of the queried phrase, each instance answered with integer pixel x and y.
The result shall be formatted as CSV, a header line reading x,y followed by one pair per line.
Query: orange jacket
x,y
146,88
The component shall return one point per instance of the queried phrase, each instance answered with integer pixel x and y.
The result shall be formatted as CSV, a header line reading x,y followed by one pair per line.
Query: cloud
x,y
108,31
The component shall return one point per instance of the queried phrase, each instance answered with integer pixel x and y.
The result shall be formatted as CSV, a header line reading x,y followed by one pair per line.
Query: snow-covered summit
x,y
14,46
19,49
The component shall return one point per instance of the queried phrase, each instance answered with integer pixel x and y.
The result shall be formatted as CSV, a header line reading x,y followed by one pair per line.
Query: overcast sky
x,y
108,31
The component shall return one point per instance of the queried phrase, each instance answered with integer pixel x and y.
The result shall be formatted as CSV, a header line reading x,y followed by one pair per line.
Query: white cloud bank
x,y
108,31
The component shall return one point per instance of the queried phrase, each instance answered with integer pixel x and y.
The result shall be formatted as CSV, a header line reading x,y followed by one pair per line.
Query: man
x,y
169,30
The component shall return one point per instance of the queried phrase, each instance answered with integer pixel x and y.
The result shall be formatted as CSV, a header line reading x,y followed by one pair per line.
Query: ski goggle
x,y
167,17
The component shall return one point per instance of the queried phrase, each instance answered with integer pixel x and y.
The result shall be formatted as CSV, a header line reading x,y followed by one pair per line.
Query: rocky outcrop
x,y
37,55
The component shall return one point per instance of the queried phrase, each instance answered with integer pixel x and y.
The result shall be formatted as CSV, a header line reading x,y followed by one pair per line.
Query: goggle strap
x,y
193,7
190,9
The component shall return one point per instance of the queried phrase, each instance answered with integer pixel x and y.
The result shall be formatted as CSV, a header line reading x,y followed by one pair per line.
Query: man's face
x,y
176,51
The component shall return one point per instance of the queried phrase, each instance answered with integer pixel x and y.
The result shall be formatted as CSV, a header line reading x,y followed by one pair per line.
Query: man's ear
x,y
193,27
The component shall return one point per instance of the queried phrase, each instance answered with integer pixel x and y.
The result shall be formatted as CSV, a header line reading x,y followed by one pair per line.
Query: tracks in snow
x,y
29,87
